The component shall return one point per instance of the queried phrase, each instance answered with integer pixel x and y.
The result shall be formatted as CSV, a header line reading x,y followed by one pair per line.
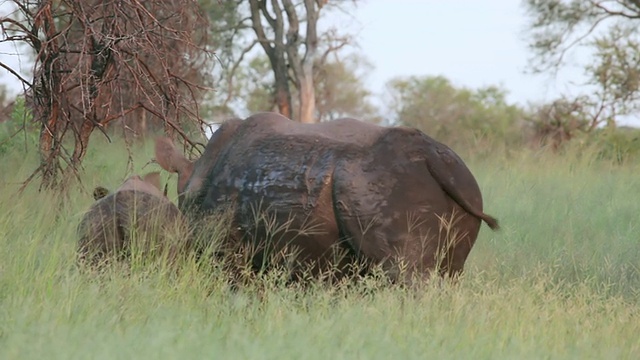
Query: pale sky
x,y
472,42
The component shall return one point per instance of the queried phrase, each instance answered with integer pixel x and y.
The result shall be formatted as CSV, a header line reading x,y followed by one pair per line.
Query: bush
x,y
618,144
462,118
19,133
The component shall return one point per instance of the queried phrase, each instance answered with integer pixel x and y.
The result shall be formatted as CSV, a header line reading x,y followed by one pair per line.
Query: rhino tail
x,y
447,183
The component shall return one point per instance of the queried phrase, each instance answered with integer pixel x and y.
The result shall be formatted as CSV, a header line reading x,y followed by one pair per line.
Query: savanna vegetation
x,y
561,279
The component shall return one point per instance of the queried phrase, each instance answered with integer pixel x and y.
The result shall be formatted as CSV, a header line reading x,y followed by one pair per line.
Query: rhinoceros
x,y
388,196
139,210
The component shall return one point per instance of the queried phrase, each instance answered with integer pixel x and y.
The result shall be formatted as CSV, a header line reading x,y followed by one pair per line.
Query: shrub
x,y
19,133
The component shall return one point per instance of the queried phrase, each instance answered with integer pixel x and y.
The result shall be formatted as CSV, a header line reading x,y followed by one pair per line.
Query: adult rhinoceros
x,y
383,195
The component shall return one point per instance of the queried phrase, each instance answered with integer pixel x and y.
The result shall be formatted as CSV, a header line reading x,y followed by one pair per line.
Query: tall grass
x,y
560,280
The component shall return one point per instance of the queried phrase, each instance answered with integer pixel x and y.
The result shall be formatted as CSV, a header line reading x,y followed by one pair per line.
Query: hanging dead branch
x,y
99,62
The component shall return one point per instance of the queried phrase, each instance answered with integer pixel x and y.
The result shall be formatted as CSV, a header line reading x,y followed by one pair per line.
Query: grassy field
x,y
560,280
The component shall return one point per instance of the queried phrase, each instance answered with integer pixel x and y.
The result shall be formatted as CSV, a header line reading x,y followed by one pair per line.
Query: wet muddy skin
x,y
381,194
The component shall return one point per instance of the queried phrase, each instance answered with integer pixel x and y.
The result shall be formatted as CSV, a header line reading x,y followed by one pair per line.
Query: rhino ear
x,y
153,178
174,161
99,192
169,157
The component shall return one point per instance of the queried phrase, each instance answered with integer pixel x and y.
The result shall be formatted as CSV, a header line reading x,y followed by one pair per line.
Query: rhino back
x,y
346,130
268,152
281,173
279,191
145,211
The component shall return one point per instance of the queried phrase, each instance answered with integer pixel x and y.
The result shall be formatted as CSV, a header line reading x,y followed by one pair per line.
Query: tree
x,y
288,35
557,122
455,115
339,87
341,91
257,85
96,62
609,30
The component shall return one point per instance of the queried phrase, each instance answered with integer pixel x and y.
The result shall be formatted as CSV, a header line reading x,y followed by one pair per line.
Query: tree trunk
x,y
305,78
283,102
303,66
50,86
274,49
307,95
282,91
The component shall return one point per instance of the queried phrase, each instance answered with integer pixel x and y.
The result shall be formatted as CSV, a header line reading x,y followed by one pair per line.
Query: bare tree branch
x,y
599,5
14,73
234,68
96,62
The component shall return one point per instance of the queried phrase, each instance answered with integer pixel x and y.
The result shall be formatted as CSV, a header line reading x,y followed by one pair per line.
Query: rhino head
x,y
138,204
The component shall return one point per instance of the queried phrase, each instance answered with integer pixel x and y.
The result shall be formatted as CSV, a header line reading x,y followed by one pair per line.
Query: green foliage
x,y
556,123
266,74
249,90
560,281
341,91
456,115
555,25
19,133
606,30
621,145
615,70
224,16
559,121
257,80
339,85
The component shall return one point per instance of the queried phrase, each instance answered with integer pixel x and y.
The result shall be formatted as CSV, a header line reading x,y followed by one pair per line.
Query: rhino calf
x,y
138,214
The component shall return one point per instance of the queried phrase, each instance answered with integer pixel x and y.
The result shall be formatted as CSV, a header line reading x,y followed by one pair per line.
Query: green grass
x,y
560,280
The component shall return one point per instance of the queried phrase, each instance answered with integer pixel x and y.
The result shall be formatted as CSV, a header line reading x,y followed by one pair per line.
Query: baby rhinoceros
x,y
137,215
